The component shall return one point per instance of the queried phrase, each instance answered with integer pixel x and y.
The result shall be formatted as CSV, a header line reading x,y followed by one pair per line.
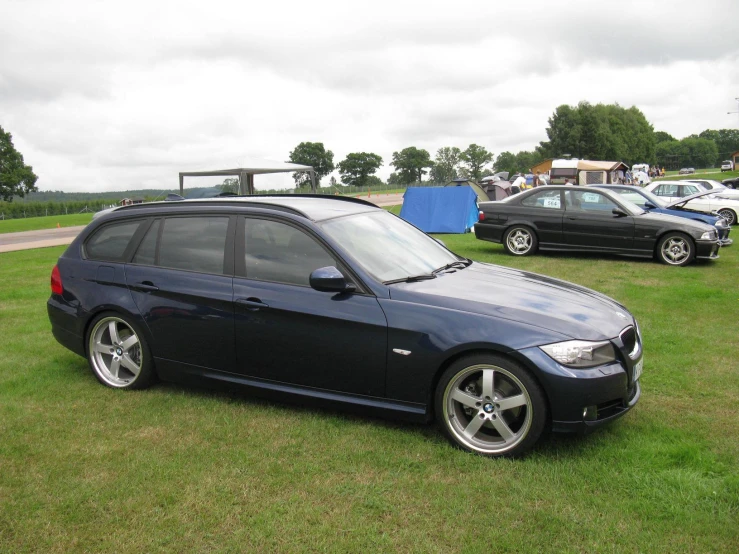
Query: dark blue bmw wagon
x,y
333,300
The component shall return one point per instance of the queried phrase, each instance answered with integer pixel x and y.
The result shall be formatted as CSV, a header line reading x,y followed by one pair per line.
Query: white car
x,y
726,165
697,198
715,186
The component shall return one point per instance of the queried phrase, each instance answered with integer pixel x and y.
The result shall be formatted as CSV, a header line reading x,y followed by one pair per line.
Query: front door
x,y
290,333
589,222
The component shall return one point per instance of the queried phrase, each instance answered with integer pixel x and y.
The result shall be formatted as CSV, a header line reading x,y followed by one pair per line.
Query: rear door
x,y
181,279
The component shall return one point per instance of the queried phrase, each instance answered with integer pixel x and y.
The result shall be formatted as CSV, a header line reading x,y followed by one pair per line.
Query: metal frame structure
x,y
246,174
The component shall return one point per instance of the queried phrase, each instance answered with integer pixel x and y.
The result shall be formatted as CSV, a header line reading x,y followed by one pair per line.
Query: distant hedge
x,y
15,210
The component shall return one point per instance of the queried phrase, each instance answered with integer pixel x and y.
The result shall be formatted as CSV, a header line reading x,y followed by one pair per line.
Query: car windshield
x,y
632,208
387,247
639,197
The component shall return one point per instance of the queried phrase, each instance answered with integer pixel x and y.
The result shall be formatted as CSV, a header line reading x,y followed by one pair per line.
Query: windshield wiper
x,y
411,279
454,265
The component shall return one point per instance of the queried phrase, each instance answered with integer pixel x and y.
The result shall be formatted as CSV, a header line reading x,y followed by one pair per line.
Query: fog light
x,y
590,413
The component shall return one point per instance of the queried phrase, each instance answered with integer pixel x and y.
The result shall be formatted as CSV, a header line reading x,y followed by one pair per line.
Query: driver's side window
x,y
281,253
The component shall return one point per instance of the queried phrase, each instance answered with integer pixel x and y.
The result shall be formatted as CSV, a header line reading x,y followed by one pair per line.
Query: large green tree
x,y
661,136
601,132
727,141
688,152
476,158
506,161
446,164
411,163
357,167
315,155
16,178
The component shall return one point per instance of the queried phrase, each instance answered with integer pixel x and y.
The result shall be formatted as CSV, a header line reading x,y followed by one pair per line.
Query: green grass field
x,y
713,173
84,468
47,222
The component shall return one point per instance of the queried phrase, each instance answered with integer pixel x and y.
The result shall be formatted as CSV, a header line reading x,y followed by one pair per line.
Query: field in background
x,y
714,174
172,468
50,222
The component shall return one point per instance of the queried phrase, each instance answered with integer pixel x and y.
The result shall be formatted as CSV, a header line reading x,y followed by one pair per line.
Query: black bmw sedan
x,y
590,219
335,301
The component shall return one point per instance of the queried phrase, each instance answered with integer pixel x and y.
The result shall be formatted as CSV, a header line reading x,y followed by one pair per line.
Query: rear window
x,y
109,243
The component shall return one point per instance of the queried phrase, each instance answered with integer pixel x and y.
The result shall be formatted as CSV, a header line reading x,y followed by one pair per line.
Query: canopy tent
x,y
497,190
440,209
246,173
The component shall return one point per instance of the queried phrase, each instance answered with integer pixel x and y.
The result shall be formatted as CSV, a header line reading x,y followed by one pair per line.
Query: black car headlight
x,y
581,353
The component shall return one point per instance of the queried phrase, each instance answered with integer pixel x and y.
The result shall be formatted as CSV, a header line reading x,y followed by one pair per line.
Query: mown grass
x,y
176,469
44,222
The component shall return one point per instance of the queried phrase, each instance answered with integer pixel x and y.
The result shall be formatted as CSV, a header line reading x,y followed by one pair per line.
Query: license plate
x,y
638,369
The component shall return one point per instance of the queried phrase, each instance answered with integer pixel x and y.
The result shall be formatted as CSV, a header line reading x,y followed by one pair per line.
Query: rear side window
x,y
146,254
109,243
194,244
544,199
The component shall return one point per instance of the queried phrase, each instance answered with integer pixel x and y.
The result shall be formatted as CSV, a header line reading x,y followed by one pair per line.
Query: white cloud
x,y
112,96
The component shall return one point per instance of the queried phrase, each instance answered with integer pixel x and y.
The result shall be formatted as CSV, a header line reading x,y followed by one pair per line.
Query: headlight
x,y
581,353
721,222
709,235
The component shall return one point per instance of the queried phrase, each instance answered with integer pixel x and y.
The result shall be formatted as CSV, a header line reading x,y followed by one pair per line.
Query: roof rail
x,y
211,202
324,196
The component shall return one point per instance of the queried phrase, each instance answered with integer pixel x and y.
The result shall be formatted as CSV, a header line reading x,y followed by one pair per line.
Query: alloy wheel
x,y
487,409
115,352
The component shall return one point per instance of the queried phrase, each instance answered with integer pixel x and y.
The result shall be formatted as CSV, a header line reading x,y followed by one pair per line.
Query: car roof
x,y
313,207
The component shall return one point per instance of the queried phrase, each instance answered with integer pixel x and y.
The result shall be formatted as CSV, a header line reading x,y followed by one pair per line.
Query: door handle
x,y
252,304
147,286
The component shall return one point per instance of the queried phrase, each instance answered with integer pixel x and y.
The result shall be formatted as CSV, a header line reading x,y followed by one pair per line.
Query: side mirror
x,y
649,205
618,212
329,279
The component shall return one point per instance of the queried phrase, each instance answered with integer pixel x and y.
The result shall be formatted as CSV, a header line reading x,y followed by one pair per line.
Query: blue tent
x,y
440,209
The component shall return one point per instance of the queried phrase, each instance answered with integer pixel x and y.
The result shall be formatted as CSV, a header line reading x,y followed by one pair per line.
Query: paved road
x,y
25,240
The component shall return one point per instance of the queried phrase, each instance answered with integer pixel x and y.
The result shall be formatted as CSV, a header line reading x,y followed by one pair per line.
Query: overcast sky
x,y
122,95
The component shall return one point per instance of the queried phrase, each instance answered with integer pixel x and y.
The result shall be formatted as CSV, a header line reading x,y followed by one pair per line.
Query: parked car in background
x,y
727,165
590,219
653,204
687,171
716,187
286,296
732,183
696,198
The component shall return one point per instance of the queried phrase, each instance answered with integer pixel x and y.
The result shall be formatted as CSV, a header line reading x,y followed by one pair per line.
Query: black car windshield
x,y
387,247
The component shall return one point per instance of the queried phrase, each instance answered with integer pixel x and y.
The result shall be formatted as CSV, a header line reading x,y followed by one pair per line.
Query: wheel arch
x,y
662,234
484,349
134,317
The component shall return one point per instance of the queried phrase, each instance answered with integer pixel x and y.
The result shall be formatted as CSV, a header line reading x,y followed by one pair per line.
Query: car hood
x,y
660,220
537,300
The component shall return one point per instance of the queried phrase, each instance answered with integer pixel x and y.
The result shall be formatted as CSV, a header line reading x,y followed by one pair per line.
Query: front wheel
x,y
675,249
728,215
118,355
491,406
520,240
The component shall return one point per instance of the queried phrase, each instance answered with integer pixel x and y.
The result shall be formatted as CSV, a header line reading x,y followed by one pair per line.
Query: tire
x,y
520,240
728,215
489,405
118,353
675,249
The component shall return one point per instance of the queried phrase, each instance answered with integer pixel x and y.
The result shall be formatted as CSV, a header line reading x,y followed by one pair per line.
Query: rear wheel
x,y
520,240
728,215
490,405
118,355
675,249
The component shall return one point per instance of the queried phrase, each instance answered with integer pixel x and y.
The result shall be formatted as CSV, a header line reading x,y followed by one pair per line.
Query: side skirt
x,y
282,392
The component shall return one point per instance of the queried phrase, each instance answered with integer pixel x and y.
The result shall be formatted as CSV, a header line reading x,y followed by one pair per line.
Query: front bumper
x,y
707,249
581,400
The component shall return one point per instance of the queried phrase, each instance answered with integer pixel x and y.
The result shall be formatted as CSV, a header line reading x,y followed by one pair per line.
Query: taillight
x,y
56,281
480,216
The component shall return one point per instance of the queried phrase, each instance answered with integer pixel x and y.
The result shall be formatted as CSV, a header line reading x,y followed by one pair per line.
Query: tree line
x,y
586,131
